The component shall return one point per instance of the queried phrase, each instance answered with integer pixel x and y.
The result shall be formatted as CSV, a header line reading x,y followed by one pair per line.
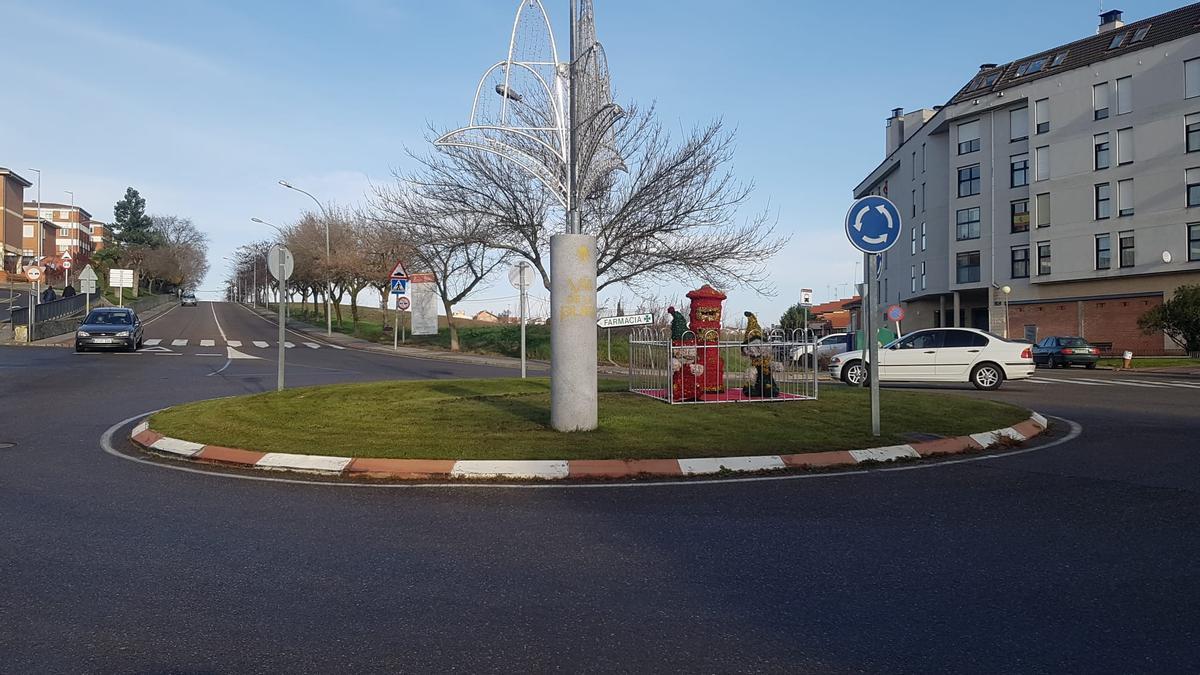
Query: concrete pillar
x,y
573,398
954,323
941,322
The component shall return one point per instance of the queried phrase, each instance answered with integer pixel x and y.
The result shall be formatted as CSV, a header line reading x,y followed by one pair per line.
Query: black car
x,y
188,300
1063,352
109,328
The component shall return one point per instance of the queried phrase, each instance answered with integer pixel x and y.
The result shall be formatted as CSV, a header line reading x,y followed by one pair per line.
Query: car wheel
x,y
987,376
78,348
855,374
1091,366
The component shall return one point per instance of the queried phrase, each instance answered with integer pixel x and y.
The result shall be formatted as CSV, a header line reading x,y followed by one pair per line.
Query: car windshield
x,y
1072,342
110,318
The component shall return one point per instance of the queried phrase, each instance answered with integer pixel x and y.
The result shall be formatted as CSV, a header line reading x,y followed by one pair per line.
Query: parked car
x,y
108,328
188,300
1063,352
942,355
834,343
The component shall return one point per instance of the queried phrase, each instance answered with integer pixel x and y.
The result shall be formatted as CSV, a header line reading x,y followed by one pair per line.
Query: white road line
x,y
234,343
213,307
312,345
1038,380
1083,382
179,343
337,346
208,343
1121,382
289,345
260,344
152,343
210,355
1165,384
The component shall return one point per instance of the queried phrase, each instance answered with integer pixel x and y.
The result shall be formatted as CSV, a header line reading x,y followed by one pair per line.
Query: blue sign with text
x,y
873,224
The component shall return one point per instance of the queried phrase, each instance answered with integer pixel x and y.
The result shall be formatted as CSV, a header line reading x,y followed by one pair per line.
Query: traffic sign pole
x,y
281,265
873,366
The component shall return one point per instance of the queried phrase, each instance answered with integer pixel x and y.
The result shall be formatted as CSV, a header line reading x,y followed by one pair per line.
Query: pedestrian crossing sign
x,y
399,286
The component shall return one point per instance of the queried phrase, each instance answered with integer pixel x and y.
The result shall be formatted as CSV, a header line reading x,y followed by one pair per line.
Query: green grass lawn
x,y
509,419
1166,362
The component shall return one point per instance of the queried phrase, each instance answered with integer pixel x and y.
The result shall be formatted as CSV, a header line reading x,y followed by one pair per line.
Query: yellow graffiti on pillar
x,y
581,290
583,254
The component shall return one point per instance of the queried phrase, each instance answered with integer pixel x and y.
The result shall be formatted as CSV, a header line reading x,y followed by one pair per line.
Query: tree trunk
x,y
454,346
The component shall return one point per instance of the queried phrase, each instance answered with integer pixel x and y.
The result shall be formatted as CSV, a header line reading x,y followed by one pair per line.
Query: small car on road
x,y
941,355
109,328
188,299
1064,352
834,343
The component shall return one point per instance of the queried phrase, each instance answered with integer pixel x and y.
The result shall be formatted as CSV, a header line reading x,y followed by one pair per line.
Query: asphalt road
x,y
1079,557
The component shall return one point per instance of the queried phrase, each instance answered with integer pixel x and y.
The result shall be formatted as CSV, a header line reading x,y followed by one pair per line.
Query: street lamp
x,y
1006,290
71,215
328,256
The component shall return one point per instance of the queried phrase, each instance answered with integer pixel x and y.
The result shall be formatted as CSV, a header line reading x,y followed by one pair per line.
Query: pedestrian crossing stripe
x,y
179,343
260,344
234,343
160,344
312,345
207,343
152,343
287,344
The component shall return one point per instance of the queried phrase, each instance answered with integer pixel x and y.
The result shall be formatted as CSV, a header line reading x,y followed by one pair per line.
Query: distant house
x,y
486,317
835,313
459,314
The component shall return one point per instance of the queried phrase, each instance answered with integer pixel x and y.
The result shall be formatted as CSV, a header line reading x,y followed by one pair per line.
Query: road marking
x,y
1036,380
235,354
207,343
1166,384
312,345
287,344
210,355
260,344
234,343
213,307
179,343
337,347
152,343
1118,382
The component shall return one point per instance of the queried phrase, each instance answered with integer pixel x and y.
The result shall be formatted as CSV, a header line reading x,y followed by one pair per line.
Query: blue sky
x,y
203,106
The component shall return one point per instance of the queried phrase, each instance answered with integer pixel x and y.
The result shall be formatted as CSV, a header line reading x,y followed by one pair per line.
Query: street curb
x,y
446,469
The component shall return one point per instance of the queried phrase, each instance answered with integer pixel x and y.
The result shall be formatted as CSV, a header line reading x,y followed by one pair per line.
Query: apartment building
x,y
12,196
73,229
101,235
1070,177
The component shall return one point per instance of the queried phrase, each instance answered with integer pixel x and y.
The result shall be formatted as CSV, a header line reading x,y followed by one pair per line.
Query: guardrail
x,y
57,309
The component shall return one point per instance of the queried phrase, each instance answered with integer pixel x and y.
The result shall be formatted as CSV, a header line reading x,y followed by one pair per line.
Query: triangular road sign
x,y
398,270
88,274
66,255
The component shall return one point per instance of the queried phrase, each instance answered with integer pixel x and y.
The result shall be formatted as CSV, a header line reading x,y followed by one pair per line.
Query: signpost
x,y
521,277
873,226
895,314
66,265
402,303
399,283
281,264
87,284
34,274
120,280
610,322
424,315
806,297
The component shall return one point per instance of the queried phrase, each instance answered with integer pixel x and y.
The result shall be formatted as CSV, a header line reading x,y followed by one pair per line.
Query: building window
x,y
1020,262
1103,251
912,278
1100,101
1193,243
1125,197
922,236
1043,209
914,165
64,232
968,137
914,202
1100,151
922,158
1192,176
1125,240
922,198
1018,169
1019,212
1018,124
923,262
968,181
1124,95
1125,146
1041,115
912,241
1043,252
27,231
968,267
967,221
1192,132
1041,161
1191,78
1103,201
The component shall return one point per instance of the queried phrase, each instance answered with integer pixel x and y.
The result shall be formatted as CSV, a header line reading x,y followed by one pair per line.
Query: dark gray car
x,y
109,328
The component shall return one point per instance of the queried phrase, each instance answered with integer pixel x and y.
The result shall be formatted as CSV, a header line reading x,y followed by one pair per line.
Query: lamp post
x,y
1006,290
70,216
37,232
328,256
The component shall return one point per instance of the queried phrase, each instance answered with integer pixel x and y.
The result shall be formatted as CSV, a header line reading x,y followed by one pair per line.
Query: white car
x,y
942,355
835,343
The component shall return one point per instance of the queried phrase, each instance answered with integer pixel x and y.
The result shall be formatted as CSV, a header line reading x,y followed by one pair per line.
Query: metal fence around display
x,y
729,372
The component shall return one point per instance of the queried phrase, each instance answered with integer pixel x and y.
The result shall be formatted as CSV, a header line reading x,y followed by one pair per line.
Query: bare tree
x,y
450,243
180,259
665,211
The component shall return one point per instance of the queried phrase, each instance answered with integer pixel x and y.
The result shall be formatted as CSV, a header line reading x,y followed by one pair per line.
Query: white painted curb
x,y
283,460
887,454
176,446
140,429
703,465
515,468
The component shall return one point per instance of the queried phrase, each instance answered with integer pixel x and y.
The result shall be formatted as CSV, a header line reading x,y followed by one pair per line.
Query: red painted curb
x,y
216,453
400,468
622,468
